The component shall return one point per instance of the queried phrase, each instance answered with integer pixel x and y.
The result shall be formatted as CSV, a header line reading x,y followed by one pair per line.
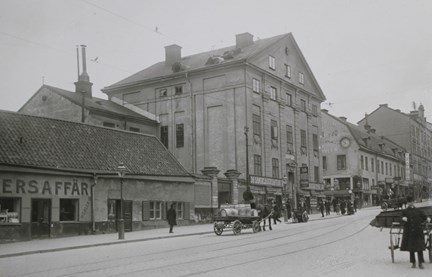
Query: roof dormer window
x,y
272,62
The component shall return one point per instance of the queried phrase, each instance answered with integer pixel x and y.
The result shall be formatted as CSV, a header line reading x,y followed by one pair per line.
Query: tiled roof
x,y
43,142
95,103
197,61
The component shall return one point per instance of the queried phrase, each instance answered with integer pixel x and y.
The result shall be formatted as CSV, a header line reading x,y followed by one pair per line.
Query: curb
x,y
98,244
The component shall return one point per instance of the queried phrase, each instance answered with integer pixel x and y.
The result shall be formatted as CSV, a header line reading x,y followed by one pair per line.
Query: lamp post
x,y
247,195
121,171
285,197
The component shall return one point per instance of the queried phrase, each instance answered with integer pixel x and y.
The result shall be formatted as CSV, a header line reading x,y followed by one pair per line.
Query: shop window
x,y
155,210
10,210
69,210
179,208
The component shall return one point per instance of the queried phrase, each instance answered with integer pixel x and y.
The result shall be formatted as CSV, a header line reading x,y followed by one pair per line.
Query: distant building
x,y
205,101
358,163
81,106
59,178
413,132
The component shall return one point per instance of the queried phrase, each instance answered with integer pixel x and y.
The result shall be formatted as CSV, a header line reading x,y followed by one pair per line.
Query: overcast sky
x,y
362,53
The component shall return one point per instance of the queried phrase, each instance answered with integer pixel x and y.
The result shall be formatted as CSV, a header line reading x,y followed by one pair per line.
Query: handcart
x,y
300,216
236,217
393,220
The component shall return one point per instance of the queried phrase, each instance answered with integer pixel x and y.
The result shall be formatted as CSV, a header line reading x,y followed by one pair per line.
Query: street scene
x,y
212,138
330,246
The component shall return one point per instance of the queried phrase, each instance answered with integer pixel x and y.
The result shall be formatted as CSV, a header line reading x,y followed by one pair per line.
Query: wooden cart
x,y
236,217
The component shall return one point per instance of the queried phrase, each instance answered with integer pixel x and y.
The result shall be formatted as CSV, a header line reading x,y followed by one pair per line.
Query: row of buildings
x,y
197,131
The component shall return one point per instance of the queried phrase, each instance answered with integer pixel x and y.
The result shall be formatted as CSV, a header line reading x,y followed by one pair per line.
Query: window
x,y
133,129
301,78
386,168
275,168
287,71
108,124
324,161
179,135
316,174
382,167
362,162
315,142
303,138
303,105
314,110
273,93
366,164
390,169
69,210
10,209
178,90
372,164
256,123
289,99
290,142
341,162
256,85
155,210
257,165
273,130
272,62
164,135
163,92
179,207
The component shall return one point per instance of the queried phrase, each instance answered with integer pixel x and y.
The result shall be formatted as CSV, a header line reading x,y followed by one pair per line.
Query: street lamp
x,y
121,171
247,195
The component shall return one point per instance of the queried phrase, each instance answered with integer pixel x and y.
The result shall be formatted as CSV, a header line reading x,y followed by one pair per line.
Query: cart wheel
x,y
305,216
218,229
237,226
256,227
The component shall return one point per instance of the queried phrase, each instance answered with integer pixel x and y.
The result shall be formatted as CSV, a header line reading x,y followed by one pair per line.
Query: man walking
x,y
171,217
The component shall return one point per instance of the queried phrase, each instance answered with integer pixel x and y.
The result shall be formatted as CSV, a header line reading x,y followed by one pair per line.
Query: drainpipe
x,y
92,203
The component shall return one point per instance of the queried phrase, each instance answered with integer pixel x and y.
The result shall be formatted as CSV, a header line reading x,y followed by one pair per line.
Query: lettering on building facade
x,y
18,186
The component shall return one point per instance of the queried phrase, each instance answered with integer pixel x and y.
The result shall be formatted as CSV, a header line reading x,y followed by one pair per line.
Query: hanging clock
x,y
345,142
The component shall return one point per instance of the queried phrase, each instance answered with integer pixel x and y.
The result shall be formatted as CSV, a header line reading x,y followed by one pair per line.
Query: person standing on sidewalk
x,y
413,237
172,218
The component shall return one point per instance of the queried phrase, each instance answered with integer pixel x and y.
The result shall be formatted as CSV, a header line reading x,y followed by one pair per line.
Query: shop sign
x,y
263,181
407,167
304,177
44,187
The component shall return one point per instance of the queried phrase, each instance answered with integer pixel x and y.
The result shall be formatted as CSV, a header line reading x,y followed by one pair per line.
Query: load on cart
x,y
236,217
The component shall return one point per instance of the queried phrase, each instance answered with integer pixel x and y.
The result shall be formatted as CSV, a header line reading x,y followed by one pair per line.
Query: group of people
x,y
340,206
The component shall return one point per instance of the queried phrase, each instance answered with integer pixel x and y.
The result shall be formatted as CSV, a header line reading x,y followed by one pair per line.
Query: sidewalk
x,y
76,242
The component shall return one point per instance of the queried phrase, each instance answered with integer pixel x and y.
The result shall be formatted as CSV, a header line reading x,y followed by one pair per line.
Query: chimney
x,y
83,85
172,54
244,40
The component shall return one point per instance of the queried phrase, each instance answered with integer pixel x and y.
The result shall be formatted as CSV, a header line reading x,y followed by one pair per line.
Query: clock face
x,y
345,142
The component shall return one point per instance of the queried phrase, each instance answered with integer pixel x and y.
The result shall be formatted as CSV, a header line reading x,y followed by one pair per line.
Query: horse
x,y
265,212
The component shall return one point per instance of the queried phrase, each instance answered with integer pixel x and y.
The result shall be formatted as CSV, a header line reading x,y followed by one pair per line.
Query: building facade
x,y
250,108
60,178
359,164
413,133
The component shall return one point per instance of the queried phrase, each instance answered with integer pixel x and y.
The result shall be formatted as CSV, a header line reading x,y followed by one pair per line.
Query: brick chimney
x,y
172,54
244,40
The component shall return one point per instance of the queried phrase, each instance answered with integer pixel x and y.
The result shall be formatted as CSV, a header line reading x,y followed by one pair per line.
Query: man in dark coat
x,y
172,218
413,237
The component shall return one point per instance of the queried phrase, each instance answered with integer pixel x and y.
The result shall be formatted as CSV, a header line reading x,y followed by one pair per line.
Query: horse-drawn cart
x,y
236,217
393,220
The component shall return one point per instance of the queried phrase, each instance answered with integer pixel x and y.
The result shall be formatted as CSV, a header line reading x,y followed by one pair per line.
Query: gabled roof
x,y
33,141
224,56
373,141
95,104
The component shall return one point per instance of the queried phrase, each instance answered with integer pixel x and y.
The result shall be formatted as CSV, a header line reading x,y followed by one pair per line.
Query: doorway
x,y
40,218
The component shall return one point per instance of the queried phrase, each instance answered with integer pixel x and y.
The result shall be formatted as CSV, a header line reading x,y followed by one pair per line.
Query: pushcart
x,y
236,217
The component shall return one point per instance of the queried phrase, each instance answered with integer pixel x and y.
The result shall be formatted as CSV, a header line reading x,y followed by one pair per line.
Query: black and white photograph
x,y
216,138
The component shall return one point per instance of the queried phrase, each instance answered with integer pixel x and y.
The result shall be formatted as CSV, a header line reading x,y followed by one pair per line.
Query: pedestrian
x,y
321,207
327,207
171,217
413,236
288,208
276,213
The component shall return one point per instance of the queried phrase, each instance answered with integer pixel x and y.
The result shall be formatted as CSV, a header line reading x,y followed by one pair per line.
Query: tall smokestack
x,y
83,86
